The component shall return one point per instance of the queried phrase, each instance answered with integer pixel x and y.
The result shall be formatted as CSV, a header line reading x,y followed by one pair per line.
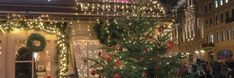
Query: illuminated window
x,y
216,4
226,1
212,38
224,35
221,2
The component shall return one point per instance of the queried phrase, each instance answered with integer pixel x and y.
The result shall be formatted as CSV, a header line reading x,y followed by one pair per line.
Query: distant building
x,y
206,30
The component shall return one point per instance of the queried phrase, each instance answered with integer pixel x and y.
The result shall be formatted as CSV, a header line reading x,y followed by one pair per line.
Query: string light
x,y
113,8
85,49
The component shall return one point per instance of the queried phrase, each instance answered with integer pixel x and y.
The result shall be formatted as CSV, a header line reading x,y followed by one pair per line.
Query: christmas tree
x,y
135,48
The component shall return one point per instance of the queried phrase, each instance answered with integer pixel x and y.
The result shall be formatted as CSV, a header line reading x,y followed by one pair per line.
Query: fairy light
x,y
85,49
111,7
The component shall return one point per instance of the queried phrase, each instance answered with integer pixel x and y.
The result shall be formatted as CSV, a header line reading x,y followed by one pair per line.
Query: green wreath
x,y
36,37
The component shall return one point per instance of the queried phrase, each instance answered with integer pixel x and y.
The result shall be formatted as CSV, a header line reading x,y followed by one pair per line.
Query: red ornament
x,y
117,75
170,44
161,28
93,73
120,48
109,57
118,62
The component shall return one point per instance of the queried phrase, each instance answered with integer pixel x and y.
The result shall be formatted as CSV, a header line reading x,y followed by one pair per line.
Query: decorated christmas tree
x,y
135,48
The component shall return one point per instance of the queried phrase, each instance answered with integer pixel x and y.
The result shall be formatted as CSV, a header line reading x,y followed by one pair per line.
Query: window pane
x,y
212,38
23,70
221,2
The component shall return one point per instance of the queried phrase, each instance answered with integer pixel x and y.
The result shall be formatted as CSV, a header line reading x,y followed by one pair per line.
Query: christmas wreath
x,y
36,42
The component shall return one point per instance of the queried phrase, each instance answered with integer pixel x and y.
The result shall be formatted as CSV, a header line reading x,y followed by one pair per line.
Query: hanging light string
x,y
149,8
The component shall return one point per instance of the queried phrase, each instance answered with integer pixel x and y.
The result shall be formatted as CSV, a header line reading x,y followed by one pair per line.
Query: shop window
x,y
30,64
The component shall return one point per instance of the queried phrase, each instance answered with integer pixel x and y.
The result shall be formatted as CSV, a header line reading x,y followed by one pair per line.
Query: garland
x,y
58,28
36,37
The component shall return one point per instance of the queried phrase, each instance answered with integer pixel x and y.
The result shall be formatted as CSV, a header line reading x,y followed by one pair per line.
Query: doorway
x,y
20,62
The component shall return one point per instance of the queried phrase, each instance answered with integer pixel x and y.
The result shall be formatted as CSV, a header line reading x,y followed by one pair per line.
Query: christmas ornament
x,y
109,57
117,75
118,62
161,28
170,44
93,73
